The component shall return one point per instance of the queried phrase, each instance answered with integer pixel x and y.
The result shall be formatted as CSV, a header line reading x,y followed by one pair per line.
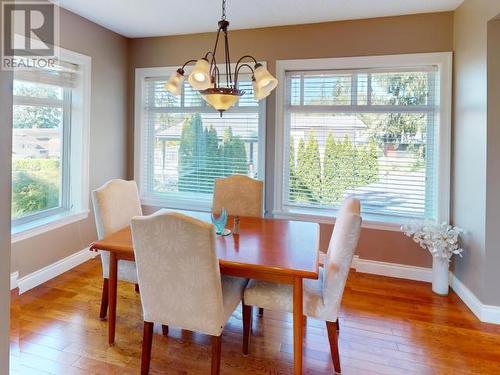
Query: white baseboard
x,y
400,271
43,275
13,280
485,313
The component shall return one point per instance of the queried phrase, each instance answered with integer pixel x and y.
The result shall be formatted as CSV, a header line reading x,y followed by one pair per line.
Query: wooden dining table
x,y
275,250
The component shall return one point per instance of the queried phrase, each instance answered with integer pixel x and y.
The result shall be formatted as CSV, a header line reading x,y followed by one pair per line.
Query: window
x,y
375,133
41,121
50,116
183,145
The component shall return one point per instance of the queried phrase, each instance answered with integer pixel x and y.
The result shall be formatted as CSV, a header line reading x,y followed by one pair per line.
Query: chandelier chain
x,y
223,9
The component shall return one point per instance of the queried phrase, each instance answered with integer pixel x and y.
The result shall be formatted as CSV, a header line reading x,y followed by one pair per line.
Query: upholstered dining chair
x,y
115,203
239,195
349,204
180,280
322,297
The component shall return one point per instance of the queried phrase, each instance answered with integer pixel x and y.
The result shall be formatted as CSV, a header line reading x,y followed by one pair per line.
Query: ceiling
x,y
144,18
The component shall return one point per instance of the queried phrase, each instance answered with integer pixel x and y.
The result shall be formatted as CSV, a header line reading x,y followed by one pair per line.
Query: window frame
x,y
177,201
443,132
76,137
65,105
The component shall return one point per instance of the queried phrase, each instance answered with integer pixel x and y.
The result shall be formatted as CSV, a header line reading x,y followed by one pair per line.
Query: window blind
x,y
368,133
187,144
62,74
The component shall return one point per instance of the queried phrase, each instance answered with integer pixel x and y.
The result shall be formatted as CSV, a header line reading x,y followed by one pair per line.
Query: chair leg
x,y
334,345
247,326
104,300
137,288
147,342
164,329
261,311
216,352
337,325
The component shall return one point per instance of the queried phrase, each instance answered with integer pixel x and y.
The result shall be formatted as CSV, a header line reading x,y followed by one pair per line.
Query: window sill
x,y
392,224
178,204
46,224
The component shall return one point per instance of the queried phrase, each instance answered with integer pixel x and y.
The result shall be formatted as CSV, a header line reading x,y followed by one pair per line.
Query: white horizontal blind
x,y
62,74
187,144
365,133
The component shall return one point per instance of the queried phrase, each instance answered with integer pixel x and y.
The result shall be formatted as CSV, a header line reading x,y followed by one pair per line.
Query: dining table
x,y
268,249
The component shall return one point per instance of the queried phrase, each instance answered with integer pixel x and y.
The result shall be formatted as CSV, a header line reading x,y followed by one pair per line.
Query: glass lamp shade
x,y
258,94
174,83
221,98
264,82
199,78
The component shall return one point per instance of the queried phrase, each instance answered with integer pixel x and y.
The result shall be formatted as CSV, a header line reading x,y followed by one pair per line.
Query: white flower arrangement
x,y
441,240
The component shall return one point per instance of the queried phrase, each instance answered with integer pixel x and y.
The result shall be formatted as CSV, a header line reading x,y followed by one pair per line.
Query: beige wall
x,y
5,184
379,36
493,166
108,136
472,144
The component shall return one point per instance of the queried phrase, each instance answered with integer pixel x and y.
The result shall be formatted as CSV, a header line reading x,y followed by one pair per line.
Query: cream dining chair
x,y
322,297
115,203
349,204
239,195
180,280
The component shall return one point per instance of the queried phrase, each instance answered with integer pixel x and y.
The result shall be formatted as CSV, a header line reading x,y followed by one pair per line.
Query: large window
x,y
41,121
183,145
50,114
373,133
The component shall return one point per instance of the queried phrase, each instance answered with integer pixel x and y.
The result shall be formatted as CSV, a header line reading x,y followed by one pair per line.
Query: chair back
x,y
239,195
115,204
178,272
341,251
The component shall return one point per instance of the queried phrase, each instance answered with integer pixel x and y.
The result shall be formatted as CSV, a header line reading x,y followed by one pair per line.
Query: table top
x,y
274,246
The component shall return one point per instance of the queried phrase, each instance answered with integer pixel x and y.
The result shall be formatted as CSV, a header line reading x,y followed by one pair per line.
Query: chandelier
x,y
205,75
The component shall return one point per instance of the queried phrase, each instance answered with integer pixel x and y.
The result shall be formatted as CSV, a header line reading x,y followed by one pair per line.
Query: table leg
x,y
297,325
113,281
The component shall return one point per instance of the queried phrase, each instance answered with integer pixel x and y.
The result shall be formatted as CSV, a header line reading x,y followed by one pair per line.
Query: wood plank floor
x,y
388,326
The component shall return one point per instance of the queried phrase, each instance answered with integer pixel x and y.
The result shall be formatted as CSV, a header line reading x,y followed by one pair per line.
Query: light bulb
x,y
199,78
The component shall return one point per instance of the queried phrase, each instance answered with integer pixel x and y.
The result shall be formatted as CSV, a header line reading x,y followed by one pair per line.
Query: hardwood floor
x,y
387,326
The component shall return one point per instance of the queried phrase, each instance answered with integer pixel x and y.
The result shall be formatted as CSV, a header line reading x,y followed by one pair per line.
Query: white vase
x,y
440,281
